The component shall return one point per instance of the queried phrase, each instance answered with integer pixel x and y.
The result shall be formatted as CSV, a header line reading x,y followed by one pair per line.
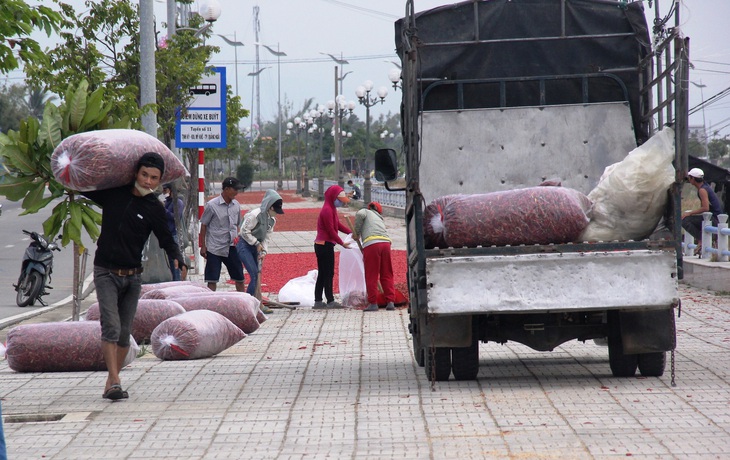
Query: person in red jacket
x,y
328,226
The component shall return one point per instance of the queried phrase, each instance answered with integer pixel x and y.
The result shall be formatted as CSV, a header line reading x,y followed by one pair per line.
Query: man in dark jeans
x,y
129,214
692,218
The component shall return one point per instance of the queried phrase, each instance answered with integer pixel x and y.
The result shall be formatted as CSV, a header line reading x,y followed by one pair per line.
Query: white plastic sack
x,y
300,289
352,275
631,196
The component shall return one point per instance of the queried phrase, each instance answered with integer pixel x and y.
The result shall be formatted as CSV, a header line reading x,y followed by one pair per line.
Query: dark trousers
x,y
693,225
325,271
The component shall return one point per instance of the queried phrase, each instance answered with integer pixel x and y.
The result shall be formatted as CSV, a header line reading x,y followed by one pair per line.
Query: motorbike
x,y
35,270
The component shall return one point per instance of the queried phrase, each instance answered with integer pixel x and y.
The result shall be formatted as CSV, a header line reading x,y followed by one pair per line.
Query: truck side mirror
x,y
386,165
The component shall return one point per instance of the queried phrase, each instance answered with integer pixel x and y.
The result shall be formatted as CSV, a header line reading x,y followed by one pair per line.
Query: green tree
x,y
18,20
36,100
718,148
13,108
26,154
695,146
100,46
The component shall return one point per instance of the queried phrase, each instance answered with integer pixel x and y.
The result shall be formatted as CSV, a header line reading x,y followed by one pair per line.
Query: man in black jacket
x,y
129,214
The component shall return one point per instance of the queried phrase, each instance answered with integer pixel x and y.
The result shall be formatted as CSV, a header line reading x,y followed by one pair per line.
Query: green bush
x,y
244,173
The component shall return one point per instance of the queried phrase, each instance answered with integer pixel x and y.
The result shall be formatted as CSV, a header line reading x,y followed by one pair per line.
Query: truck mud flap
x,y
446,331
648,331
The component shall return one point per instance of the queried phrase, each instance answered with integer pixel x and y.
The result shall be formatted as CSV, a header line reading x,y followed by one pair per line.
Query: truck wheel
x,y
621,365
438,364
652,364
465,362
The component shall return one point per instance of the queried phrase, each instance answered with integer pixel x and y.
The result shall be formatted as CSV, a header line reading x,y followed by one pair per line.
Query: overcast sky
x,y
362,32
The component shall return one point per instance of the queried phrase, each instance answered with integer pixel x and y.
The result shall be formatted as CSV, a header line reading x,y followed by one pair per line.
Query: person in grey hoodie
x,y
253,241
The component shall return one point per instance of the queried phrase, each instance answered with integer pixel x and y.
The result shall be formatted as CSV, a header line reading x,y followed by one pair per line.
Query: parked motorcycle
x,y
35,271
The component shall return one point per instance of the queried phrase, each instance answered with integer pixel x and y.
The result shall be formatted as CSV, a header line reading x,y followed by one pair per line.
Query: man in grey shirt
x,y
219,226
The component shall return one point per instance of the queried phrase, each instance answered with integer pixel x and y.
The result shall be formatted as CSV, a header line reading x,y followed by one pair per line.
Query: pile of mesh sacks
x,y
627,204
180,319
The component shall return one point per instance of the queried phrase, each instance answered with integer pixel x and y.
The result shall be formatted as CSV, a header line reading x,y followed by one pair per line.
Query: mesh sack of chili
x,y
194,335
168,284
240,308
534,215
173,291
72,346
150,313
98,160
433,222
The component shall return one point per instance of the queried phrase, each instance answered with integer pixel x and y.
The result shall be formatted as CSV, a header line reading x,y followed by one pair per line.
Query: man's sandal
x,y
114,392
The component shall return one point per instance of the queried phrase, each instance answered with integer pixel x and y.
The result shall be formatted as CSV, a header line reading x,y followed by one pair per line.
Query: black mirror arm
x,y
393,189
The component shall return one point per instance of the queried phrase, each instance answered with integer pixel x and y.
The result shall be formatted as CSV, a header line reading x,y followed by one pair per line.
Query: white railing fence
x,y
377,192
714,239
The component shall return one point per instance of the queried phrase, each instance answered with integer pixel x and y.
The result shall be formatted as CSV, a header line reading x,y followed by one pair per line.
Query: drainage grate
x,y
34,418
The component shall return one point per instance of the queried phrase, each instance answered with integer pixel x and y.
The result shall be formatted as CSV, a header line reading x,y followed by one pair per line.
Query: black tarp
x,y
528,39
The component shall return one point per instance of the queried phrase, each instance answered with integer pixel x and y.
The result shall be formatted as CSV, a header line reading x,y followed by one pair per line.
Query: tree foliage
x,y
13,107
100,46
18,21
27,157
718,148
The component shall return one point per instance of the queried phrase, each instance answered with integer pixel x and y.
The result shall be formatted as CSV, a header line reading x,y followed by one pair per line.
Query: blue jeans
x,y
3,449
249,255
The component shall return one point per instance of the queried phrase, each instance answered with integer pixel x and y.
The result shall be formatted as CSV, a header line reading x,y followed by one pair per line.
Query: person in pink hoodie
x,y
328,228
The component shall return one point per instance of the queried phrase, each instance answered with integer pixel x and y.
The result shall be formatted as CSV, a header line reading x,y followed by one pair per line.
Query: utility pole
x,y
256,30
147,85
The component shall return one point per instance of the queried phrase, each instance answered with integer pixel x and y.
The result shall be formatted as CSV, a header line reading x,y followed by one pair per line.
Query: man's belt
x,y
126,271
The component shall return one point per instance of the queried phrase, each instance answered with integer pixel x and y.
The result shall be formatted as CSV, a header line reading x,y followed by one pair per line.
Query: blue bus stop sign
x,y
203,123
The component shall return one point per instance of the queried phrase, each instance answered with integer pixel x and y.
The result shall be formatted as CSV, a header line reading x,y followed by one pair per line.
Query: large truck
x,y
503,94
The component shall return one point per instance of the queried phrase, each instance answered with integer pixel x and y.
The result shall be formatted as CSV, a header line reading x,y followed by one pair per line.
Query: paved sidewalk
x,y
344,384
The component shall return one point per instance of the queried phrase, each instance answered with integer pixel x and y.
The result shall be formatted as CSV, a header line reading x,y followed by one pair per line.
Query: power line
x,y
310,60
717,97
367,11
711,62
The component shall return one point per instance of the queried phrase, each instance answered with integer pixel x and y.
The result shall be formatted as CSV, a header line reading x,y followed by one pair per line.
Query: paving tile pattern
x,y
338,384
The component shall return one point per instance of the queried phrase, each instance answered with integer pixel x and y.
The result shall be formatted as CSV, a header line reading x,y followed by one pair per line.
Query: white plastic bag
x,y
300,289
352,275
630,198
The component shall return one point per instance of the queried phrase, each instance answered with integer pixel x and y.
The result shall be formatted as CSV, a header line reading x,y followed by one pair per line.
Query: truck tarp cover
x,y
531,38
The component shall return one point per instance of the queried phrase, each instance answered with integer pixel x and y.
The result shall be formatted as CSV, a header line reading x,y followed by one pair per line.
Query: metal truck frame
x,y
501,95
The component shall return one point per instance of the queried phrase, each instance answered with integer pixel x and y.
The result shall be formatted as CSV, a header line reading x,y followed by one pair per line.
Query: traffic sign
x,y
203,123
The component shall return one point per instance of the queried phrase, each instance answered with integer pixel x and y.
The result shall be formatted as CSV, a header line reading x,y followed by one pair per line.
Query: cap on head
x,y
343,197
152,160
697,173
277,206
232,182
375,206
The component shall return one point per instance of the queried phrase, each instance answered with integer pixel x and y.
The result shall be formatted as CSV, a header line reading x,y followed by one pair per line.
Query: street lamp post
x,y
296,127
363,96
147,85
394,75
322,114
278,53
235,44
339,107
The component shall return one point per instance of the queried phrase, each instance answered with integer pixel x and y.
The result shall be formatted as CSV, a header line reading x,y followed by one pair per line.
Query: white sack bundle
x,y
630,198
